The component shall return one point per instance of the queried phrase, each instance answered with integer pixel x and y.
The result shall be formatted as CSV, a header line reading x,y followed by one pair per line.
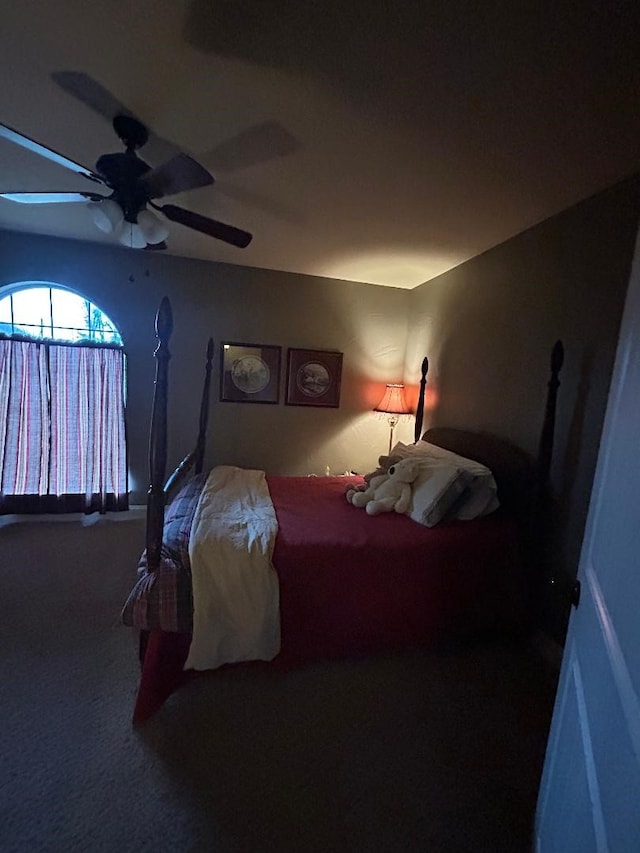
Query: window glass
x,y
32,311
54,313
70,315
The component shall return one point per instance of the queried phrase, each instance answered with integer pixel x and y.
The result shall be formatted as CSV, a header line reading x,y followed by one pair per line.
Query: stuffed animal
x,y
384,463
355,493
389,492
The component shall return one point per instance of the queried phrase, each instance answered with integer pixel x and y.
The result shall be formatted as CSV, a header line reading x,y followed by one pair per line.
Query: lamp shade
x,y
393,402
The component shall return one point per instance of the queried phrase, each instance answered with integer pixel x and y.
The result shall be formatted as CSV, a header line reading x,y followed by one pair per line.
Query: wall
x,y
489,326
365,322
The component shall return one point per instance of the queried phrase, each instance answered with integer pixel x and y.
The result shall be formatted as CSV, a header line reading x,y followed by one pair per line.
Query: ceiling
x,y
353,142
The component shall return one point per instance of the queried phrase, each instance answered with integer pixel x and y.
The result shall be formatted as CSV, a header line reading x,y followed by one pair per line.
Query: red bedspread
x,y
353,584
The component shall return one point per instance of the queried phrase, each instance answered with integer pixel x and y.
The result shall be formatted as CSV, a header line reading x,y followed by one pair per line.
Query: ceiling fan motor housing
x,y
131,131
121,172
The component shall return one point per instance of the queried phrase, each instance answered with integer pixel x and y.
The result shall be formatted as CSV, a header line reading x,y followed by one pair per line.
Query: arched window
x,y
41,311
62,403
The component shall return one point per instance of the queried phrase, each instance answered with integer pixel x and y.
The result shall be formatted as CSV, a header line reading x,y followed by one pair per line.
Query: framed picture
x,y
249,373
313,377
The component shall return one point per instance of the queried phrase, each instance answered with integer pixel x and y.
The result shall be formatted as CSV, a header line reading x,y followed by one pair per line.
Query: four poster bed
x,y
343,583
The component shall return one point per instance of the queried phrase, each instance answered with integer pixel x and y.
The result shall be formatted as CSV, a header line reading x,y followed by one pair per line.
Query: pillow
x,y
480,496
436,490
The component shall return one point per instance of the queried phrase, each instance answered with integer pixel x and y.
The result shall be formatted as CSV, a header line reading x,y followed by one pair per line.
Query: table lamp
x,y
394,405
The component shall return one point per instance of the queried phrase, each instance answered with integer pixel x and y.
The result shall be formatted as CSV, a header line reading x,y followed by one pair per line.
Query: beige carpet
x,y
423,752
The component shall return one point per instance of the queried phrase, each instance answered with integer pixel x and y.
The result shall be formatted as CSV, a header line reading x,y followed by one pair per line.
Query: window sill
x,y
136,512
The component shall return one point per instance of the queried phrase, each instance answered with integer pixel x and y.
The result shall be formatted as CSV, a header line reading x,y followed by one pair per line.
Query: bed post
x,y
158,437
204,410
420,408
545,450
540,528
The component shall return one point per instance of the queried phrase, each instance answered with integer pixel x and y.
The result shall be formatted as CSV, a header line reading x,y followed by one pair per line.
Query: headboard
x,y
522,480
513,469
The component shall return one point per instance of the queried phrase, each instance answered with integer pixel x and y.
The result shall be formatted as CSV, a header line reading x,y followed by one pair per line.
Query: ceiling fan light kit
x,y
132,235
132,182
110,218
107,215
153,229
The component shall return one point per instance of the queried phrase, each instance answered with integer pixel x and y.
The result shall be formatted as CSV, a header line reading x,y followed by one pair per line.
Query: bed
x,y
348,584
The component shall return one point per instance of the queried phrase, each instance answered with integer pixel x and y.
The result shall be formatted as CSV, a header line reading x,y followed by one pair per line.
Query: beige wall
x,y
486,326
365,322
489,326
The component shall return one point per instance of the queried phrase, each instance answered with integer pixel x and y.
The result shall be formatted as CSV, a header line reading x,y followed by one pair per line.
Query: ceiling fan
x,y
134,185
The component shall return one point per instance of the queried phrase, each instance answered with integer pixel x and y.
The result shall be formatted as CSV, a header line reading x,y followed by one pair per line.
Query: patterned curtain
x,y
62,428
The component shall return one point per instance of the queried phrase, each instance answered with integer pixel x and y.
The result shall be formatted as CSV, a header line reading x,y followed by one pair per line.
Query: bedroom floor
x,y
421,752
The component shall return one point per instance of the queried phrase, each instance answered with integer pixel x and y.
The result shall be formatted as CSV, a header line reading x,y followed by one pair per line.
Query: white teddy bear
x,y
390,491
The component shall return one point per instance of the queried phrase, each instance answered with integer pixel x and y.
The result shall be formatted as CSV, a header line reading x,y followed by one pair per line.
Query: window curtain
x,y
62,428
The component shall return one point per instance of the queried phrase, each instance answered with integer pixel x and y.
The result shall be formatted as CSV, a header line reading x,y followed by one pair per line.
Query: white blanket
x,y
236,603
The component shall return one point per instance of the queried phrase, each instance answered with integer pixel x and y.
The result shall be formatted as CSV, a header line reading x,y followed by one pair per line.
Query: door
x,y
590,793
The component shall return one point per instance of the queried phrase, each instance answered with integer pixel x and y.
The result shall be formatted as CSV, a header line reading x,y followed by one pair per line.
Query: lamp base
x,y
393,421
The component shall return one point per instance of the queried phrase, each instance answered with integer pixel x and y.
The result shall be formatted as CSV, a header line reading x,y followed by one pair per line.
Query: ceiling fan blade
x,y
219,230
31,145
91,93
177,175
96,97
250,147
51,198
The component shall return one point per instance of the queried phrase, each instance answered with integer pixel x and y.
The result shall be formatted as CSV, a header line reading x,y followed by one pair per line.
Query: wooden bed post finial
x,y
158,437
420,408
